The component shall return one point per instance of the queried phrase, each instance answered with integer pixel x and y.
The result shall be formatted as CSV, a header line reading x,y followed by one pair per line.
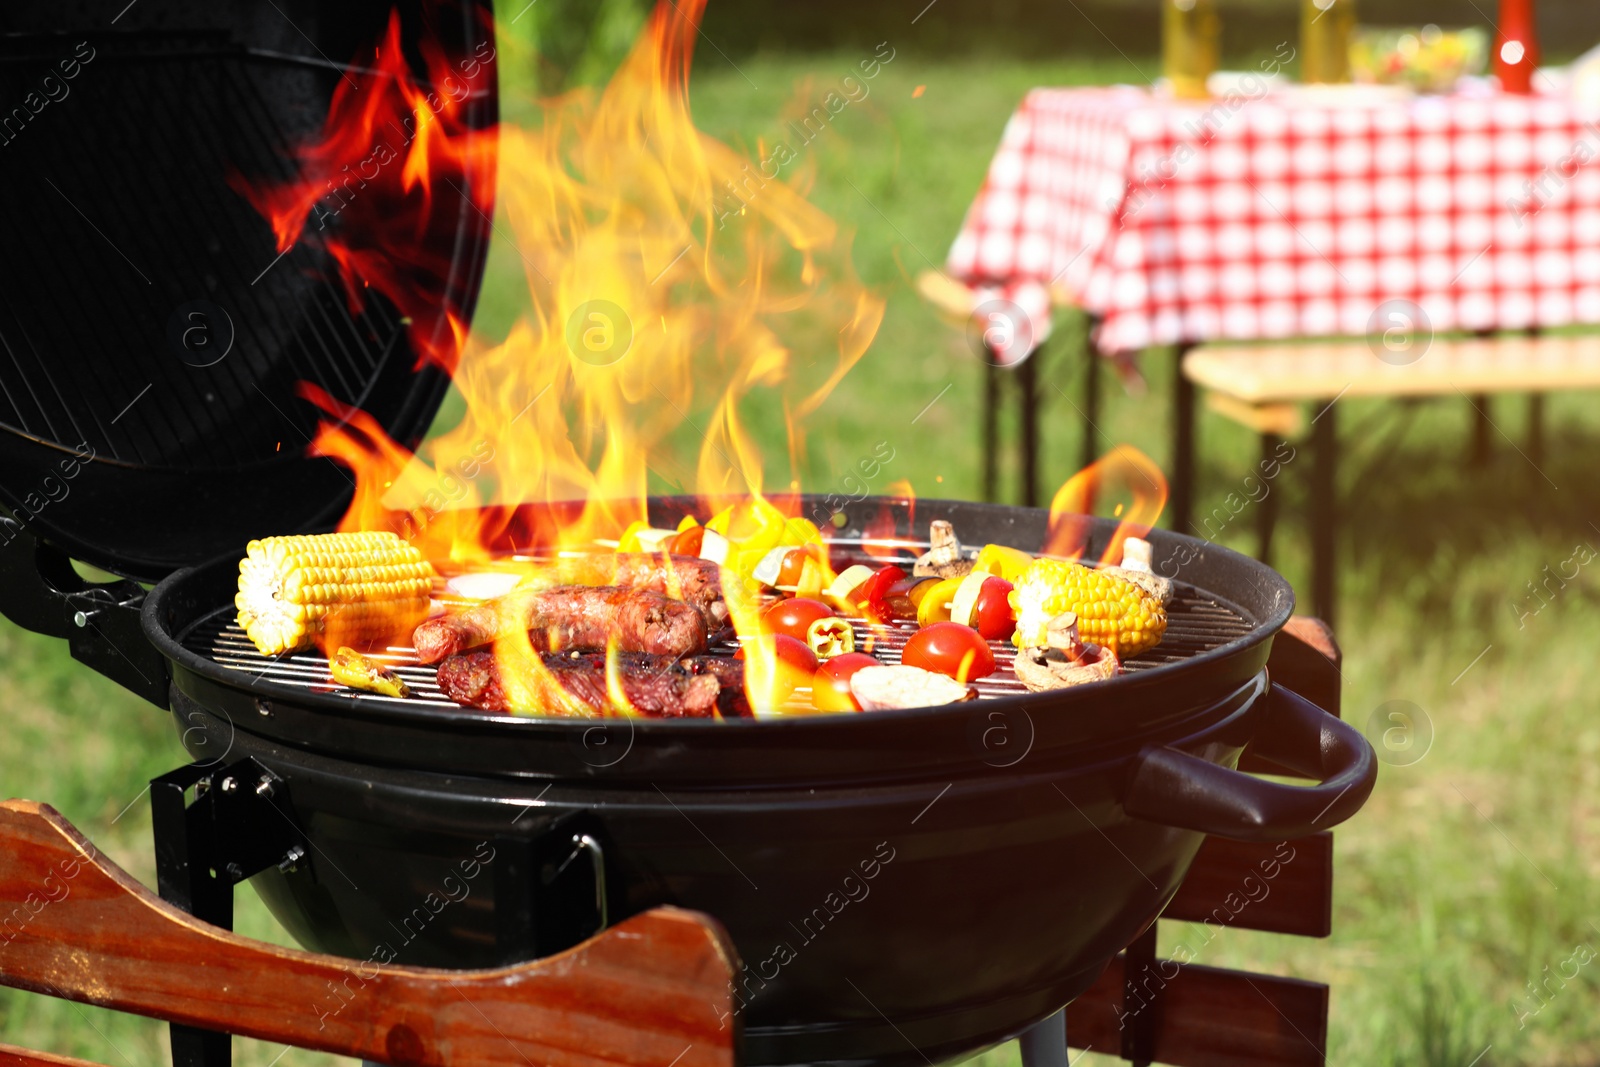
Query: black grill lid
x,y
130,265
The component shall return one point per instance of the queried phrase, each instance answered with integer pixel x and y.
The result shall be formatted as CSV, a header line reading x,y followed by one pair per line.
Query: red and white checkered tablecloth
x,y
1286,214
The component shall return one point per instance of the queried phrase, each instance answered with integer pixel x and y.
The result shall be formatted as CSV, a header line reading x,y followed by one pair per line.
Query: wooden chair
x,y
653,991
1176,1011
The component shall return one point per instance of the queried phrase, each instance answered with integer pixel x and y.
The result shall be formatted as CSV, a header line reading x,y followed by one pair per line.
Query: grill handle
x,y
1176,789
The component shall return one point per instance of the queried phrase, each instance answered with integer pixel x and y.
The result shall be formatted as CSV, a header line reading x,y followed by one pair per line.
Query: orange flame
x,y
366,194
653,312
1124,482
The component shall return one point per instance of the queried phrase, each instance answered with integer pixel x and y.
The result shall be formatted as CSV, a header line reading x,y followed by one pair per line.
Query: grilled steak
x,y
574,683
567,617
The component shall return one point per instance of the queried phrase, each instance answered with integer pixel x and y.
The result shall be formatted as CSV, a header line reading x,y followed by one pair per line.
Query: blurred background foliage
x,y
579,43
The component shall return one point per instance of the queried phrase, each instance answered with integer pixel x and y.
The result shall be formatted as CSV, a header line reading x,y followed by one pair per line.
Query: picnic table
x,y
1278,213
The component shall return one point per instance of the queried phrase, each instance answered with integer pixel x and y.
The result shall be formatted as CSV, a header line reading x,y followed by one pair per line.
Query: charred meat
x,y
576,684
568,617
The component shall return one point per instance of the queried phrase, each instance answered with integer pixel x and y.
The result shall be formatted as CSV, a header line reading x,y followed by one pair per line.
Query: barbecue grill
x,y
900,885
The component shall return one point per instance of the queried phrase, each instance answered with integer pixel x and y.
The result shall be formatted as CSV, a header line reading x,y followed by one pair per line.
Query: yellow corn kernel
x,y
293,590
1112,612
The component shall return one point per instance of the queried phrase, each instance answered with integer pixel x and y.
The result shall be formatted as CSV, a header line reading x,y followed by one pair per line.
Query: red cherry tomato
x,y
775,665
950,648
689,542
830,687
794,563
992,615
794,616
874,593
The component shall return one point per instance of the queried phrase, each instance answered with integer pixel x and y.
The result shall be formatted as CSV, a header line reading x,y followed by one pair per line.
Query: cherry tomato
x,y
775,665
830,687
875,591
794,616
689,542
794,563
950,648
992,615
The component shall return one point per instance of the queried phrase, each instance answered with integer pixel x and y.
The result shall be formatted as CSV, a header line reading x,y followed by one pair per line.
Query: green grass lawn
x,y
1472,871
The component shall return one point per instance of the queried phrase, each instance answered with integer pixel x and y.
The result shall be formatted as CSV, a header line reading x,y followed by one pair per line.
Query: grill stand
x,y
217,825
1045,1043
232,829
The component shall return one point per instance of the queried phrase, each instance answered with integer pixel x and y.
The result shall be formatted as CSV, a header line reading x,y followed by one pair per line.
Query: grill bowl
x,y
1005,870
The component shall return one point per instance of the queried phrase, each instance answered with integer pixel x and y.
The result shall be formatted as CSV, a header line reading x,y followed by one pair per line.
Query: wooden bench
x,y
650,992
1280,391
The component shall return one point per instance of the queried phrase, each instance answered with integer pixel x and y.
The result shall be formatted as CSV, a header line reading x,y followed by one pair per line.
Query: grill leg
x,y
1267,510
1324,513
184,879
1183,445
990,443
1028,390
1045,1043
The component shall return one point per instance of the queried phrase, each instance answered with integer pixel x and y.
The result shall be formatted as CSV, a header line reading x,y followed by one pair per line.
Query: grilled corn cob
x,y
1112,612
359,586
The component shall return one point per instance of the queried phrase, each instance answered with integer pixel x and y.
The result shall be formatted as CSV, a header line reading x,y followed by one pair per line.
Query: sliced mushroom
x,y
1065,660
944,558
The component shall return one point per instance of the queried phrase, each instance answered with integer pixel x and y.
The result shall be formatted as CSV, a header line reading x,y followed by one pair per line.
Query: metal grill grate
x,y
105,260
1196,623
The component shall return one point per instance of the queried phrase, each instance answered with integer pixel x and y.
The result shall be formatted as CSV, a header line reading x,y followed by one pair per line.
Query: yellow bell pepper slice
x,y
935,606
1003,561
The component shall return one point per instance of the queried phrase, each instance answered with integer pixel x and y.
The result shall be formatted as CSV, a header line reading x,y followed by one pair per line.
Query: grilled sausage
x,y
568,617
694,581
574,684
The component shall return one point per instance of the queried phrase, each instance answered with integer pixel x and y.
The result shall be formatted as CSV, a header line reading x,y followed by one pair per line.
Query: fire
x,y
1126,481
366,192
651,317
654,322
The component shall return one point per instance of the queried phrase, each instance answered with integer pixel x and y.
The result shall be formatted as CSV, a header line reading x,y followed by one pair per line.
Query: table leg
x,y
1183,445
1536,428
989,445
1028,390
1091,400
1480,429
1267,510
1044,1044
1324,513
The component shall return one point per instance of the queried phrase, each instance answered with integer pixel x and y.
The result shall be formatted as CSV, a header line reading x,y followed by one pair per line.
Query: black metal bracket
x,y
216,825
551,890
40,591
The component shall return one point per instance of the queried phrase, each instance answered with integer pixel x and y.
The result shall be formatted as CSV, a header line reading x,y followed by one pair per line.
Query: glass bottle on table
x,y
1516,46
1191,35
1326,27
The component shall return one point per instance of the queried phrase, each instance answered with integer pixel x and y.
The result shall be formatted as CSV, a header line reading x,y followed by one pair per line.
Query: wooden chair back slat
x,y
653,991
1199,1016
11,1056
1286,888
